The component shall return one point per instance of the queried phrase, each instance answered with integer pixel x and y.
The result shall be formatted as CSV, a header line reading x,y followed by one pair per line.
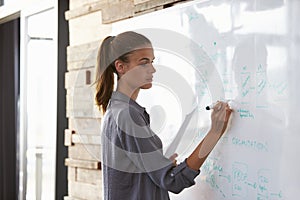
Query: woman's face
x,y
138,72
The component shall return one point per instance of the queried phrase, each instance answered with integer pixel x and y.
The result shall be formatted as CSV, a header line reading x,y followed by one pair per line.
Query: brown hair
x,y
114,48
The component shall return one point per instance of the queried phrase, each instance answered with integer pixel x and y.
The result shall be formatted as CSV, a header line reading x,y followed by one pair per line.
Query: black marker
x,y
210,107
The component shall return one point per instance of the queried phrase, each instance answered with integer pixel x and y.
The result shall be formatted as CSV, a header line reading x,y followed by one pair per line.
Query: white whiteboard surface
x,y
246,51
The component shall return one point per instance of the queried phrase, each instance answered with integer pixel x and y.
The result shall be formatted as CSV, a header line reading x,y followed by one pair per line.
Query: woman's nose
x,y
153,70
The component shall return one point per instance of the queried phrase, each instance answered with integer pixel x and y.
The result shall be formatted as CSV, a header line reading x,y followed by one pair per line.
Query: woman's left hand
x,y
173,158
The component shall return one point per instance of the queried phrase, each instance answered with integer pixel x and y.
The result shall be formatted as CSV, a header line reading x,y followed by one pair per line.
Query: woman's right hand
x,y
220,117
219,121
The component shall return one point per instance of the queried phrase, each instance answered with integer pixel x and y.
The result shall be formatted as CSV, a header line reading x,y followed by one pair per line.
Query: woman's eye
x,y
144,64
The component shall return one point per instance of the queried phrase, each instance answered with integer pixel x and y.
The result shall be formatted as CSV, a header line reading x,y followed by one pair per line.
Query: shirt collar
x,y
118,96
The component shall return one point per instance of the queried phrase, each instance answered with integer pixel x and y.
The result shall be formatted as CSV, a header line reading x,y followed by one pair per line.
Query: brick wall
x,y
90,22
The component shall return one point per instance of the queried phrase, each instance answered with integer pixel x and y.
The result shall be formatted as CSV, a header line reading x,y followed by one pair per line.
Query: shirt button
x,y
172,174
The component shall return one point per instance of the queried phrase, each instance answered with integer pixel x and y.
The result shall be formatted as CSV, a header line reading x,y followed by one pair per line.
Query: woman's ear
x,y
120,67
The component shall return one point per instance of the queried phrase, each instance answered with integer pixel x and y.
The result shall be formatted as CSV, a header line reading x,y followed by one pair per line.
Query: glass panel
x,y
41,108
9,1
253,46
41,25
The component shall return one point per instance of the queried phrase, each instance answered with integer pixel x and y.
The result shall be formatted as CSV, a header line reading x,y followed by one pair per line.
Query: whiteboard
x,y
244,51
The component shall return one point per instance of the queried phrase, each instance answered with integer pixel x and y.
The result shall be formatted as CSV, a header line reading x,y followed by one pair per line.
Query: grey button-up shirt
x,y
133,164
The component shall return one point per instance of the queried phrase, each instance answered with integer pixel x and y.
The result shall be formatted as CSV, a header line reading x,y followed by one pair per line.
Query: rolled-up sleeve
x,y
174,178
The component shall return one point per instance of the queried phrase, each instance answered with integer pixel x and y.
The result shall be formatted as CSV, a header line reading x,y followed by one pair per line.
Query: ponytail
x,y
104,74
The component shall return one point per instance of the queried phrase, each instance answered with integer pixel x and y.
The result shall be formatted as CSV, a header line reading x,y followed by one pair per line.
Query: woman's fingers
x,y
173,158
228,112
220,117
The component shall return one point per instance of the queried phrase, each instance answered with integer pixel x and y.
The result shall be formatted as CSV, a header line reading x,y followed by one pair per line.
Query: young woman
x,y
134,167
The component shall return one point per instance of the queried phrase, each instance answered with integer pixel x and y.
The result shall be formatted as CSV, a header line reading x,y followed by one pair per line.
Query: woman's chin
x,y
147,86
